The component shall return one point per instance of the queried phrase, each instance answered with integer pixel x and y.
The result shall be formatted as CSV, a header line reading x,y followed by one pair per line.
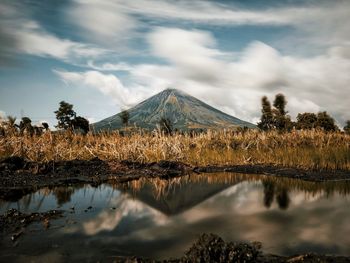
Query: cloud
x,y
7,40
113,23
325,20
107,84
192,54
205,12
111,18
122,66
33,40
19,34
104,22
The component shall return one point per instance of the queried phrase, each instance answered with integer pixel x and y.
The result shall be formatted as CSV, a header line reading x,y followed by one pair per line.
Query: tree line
x,y
276,117
67,120
273,117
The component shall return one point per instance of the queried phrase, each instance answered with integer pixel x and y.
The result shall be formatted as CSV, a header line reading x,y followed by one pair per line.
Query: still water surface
x,y
161,218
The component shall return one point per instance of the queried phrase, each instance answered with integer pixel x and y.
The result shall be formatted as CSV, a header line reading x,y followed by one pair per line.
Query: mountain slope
x,y
185,112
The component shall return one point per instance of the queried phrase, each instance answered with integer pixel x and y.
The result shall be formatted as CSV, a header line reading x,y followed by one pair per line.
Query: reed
x,y
311,149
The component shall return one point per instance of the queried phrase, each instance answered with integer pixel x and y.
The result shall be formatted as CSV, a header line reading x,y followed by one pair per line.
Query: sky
x,y
106,55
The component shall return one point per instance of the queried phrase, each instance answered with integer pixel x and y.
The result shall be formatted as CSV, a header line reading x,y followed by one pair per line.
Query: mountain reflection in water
x,y
161,218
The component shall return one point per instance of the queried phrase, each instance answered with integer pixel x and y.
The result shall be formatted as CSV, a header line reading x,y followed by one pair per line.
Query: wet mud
x,y
14,222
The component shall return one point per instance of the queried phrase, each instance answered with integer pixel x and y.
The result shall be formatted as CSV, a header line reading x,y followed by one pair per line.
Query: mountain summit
x,y
184,111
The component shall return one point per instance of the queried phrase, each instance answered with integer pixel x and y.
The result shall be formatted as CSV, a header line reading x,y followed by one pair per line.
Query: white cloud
x,y
206,12
29,37
102,21
33,40
190,51
122,66
108,84
113,23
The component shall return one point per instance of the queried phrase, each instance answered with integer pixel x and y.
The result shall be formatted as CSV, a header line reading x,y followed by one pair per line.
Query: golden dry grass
x,y
304,149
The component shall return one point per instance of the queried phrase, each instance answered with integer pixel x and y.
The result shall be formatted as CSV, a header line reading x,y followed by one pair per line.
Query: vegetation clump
x,y
277,119
347,127
124,116
68,119
212,248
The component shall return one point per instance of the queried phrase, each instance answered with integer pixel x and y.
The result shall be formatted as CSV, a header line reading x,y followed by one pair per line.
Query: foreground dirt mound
x,y
211,248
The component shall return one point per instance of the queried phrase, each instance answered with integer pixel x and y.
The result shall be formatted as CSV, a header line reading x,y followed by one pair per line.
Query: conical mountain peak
x,y
183,110
172,92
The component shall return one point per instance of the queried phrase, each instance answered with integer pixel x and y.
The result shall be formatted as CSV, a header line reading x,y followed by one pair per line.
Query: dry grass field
x,y
310,149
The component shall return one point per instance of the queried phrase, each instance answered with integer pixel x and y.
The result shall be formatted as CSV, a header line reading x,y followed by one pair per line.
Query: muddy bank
x,y
20,177
212,248
14,222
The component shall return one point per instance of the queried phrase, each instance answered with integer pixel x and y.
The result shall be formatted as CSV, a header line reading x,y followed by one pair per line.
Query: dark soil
x,y
19,177
14,222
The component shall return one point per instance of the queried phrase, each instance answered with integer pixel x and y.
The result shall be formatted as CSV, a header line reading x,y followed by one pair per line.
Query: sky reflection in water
x,y
161,219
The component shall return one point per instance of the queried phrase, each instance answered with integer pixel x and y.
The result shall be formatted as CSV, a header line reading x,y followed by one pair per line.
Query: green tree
x,y
306,121
65,115
68,119
281,120
166,126
124,116
81,123
326,122
266,120
280,103
347,127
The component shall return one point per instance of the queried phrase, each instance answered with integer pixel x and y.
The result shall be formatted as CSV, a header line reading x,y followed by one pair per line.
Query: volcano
x,y
183,110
